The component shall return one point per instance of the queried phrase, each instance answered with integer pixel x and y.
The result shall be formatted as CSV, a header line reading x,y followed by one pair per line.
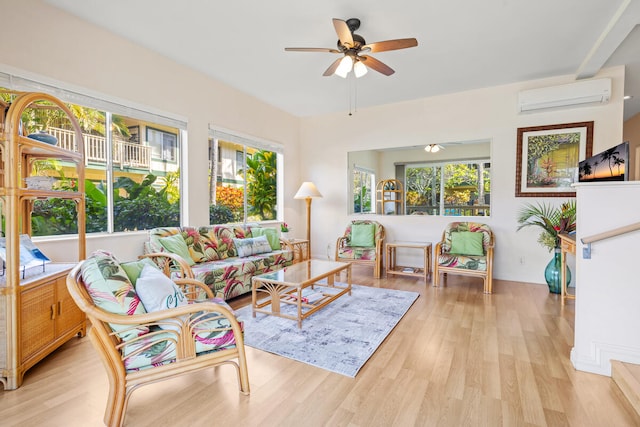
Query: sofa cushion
x,y
270,233
177,245
208,330
362,235
134,268
252,246
463,261
111,290
232,277
466,243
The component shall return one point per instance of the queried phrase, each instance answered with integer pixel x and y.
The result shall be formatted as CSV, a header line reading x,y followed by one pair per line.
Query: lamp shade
x,y
346,64
307,189
359,69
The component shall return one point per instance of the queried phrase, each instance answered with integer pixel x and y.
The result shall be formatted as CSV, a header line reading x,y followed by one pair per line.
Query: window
x,y
459,188
127,188
243,179
164,145
363,184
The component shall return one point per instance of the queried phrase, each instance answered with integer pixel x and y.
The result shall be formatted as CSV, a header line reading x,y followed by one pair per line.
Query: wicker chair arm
x,y
194,289
167,260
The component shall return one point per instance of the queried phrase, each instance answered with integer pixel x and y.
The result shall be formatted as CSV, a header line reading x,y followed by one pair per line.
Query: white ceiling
x,y
462,45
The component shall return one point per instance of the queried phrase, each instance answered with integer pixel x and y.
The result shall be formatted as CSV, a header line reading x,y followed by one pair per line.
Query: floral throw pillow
x,y
252,246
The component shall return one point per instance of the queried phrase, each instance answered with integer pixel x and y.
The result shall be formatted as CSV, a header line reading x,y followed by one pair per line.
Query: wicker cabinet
x,y
48,315
37,315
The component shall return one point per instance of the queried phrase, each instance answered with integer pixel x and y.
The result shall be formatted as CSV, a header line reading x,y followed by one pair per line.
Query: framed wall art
x,y
609,165
547,158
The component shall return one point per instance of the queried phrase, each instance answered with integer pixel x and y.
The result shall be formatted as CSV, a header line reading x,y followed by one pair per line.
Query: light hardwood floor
x,y
457,358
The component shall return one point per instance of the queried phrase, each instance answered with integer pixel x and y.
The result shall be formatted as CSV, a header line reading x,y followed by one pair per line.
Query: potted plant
x,y
284,229
552,221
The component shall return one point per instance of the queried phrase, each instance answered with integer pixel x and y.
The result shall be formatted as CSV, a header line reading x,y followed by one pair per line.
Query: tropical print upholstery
x,y
211,333
362,254
470,265
469,262
147,345
217,262
110,288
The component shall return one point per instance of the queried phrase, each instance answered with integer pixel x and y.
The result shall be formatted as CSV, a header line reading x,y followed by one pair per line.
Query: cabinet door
x,y
37,312
69,315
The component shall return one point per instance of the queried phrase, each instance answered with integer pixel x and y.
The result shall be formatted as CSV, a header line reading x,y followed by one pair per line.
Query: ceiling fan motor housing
x,y
353,24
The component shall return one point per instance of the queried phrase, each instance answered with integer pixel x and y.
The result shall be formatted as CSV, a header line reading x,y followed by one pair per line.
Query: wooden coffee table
x,y
298,285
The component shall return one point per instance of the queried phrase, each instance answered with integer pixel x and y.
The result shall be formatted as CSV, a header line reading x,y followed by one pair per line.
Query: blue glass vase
x,y
552,273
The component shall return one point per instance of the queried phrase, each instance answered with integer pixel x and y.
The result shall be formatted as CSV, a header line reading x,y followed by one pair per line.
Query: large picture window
x,y
243,179
127,188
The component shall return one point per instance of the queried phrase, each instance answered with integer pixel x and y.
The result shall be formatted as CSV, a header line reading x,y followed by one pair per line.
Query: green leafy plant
x,y
552,220
220,214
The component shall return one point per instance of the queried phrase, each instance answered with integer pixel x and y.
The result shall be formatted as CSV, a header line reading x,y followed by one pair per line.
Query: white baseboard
x,y
601,354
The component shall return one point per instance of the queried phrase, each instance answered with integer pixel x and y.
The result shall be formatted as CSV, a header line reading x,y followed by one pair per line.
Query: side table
x,y
567,246
393,268
300,249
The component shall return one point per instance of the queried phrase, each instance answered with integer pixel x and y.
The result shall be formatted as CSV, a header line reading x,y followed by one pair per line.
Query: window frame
x,y
441,204
372,185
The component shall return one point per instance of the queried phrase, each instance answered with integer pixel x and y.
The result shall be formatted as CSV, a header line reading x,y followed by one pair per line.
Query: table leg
x,y
253,298
563,275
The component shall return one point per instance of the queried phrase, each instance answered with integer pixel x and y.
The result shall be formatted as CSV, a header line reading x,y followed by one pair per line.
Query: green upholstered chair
x,y
362,243
466,248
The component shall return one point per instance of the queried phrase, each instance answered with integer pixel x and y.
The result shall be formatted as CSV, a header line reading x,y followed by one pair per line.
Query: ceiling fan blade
x,y
390,45
374,64
311,49
343,31
332,68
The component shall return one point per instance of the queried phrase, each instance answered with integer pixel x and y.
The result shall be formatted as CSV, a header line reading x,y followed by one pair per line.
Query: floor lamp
x,y
307,191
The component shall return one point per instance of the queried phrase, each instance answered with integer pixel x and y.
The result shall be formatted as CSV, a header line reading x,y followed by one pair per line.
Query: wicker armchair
x,y
456,254
139,349
351,248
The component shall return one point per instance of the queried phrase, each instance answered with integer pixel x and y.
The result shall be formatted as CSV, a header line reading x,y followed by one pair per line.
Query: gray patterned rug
x,y
340,338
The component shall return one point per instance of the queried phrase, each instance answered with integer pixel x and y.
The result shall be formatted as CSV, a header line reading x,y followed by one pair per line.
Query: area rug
x,y
340,337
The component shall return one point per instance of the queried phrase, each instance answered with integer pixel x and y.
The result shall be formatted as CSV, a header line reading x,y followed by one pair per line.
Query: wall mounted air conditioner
x,y
573,95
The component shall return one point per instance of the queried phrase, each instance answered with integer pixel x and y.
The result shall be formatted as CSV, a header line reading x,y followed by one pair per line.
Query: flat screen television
x,y
609,165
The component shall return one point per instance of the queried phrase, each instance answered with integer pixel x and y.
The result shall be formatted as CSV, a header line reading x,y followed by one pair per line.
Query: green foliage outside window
x,y
261,185
137,206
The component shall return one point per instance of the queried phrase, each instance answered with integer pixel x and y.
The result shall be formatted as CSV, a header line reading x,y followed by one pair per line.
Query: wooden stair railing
x,y
586,251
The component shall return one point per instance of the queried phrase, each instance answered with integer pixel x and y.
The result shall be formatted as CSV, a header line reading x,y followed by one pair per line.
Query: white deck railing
x,y
125,154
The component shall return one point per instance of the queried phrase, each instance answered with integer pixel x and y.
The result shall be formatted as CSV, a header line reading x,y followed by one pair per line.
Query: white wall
x,y
485,114
45,41
608,290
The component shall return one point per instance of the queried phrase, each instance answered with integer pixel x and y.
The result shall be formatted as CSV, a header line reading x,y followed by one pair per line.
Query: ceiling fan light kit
x,y
346,65
433,148
352,45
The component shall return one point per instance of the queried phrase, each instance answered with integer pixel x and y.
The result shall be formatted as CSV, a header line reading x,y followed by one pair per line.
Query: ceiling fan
x,y
352,46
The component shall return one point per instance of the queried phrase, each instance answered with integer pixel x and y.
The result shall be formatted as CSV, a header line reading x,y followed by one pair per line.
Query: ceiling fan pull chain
x,y
349,95
355,95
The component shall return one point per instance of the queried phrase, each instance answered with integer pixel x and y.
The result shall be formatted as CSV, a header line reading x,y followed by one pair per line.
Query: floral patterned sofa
x,y
224,257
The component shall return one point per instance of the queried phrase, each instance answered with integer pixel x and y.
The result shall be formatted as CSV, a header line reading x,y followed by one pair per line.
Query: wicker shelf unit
x,y
390,197
37,315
